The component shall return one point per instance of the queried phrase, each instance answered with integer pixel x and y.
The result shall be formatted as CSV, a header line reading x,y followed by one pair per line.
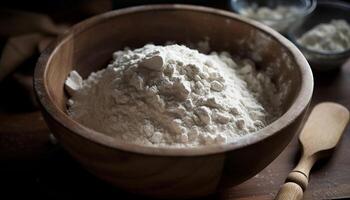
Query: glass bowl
x,y
280,22
324,13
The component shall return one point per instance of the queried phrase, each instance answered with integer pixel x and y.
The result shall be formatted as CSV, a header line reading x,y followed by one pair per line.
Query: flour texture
x,y
327,37
278,18
173,95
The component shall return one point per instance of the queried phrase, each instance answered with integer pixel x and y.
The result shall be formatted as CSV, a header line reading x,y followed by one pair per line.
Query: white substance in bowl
x,y
329,37
278,18
173,95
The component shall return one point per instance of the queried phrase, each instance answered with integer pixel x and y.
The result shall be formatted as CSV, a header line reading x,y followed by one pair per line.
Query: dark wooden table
x,y
47,172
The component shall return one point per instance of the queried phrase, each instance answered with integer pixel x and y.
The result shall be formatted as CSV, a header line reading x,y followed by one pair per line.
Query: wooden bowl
x,y
169,172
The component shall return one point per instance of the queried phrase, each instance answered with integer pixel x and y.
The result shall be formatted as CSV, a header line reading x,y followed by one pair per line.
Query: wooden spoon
x,y
319,136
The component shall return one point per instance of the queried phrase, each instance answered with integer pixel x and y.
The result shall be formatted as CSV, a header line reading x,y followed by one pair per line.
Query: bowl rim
x,y
299,104
327,55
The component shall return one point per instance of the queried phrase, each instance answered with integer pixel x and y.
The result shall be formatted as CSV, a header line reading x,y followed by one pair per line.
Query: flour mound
x,y
171,95
329,37
279,18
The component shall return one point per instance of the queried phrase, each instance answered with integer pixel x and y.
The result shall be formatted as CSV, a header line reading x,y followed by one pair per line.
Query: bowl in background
x,y
324,13
304,7
171,172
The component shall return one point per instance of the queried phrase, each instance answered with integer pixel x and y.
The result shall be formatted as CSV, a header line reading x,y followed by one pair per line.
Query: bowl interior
x,y
89,46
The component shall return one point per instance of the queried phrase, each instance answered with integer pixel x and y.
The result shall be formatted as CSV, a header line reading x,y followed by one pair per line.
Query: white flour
x,y
278,18
172,95
328,37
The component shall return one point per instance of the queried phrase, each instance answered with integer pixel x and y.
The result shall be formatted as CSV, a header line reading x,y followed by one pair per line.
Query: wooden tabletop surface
x,y
50,173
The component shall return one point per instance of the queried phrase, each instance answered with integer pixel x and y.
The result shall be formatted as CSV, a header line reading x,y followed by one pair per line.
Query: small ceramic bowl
x,y
303,8
324,13
172,172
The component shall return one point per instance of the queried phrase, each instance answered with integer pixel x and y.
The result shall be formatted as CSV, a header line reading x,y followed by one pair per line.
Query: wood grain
x,y
22,136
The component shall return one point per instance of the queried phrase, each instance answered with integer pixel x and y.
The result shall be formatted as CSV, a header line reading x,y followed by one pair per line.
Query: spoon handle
x,y
297,180
290,191
320,135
